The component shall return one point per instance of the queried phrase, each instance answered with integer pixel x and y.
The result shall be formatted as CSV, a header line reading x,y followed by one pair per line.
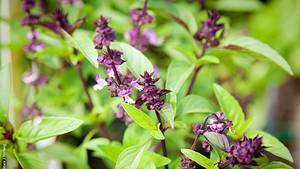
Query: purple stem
x,y
114,66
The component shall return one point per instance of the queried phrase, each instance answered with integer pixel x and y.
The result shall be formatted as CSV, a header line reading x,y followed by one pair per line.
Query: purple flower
x,y
111,57
142,40
152,94
27,4
217,123
121,114
100,83
32,35
243,151
33,77
186,163
61,20
198,129
105,33
206,146
34,47
140,16
30,20
207,34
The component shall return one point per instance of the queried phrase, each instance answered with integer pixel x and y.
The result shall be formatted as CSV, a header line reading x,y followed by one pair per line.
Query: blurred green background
x,y
266,93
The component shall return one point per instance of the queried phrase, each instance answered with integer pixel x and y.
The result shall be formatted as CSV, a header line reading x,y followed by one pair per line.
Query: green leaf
x,y
230,107
194,104
95,143
168,114
110,152
31,132
199,158
83,43
254,47
135,135
5,90
276,164
158,159
30,161
273,145
143,120
237,5
136,62
208,59
217,139
178,72
150,165
130,157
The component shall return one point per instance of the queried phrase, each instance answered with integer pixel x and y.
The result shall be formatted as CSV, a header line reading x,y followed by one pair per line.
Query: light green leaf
x,y
208,59
273,145
178,72
110,152
135,135
217,139
5,90
230,107
130,157
199,158
194,104
276,165
237,5
254,47
136,61
31,161
95,143
139,117
31,132
150,165
84,44
168,114
143,120
158,159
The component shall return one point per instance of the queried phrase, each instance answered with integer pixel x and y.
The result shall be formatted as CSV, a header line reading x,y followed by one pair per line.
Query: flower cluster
x,y
152,94
243,151
105,33
137,37
34,45
207,34
215,123
186,163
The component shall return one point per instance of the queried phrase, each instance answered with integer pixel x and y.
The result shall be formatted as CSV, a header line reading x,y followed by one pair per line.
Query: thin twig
x,y
162,142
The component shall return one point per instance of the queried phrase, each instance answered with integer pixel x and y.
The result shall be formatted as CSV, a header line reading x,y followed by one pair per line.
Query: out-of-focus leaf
x,y
130,157
178,72
216,139
237,5
158,159
84,44
5,90
275,165
143,120
199,158
194,104
273,145
230,107
254,47
110,152
31,161
136,61
150,165
31,131
208,59
168,114
95,143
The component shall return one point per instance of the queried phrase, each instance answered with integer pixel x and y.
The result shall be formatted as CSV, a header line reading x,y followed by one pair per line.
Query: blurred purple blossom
x,y
27,4
121,114
140,17
33,77
105,33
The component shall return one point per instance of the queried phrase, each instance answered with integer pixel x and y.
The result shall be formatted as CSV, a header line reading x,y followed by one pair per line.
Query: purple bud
x,y
27,4
112,57
186,163
34,47
30,20
105,33
139,17
198,129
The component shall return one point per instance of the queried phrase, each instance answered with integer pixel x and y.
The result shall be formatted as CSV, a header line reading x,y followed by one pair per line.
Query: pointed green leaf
x,y
199,158
130,157
194,104
276,165
217,139
254,47
32,131
208,59
273,145
136,61
82,42
178,72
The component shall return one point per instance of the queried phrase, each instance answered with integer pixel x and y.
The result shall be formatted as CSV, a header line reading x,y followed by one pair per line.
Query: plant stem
x,y
195,142
194,76
85,87
114,66
145,6
162,142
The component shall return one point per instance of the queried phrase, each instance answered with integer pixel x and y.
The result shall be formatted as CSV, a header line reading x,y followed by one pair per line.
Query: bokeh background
x,y
266,93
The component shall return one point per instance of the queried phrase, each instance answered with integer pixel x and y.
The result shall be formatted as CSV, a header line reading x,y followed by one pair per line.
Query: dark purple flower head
x,y
186,163
121,114
27,4
243,151
207,34
111,57
198,129
105,33
140,17
30,20
152,94
217,123
61,20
